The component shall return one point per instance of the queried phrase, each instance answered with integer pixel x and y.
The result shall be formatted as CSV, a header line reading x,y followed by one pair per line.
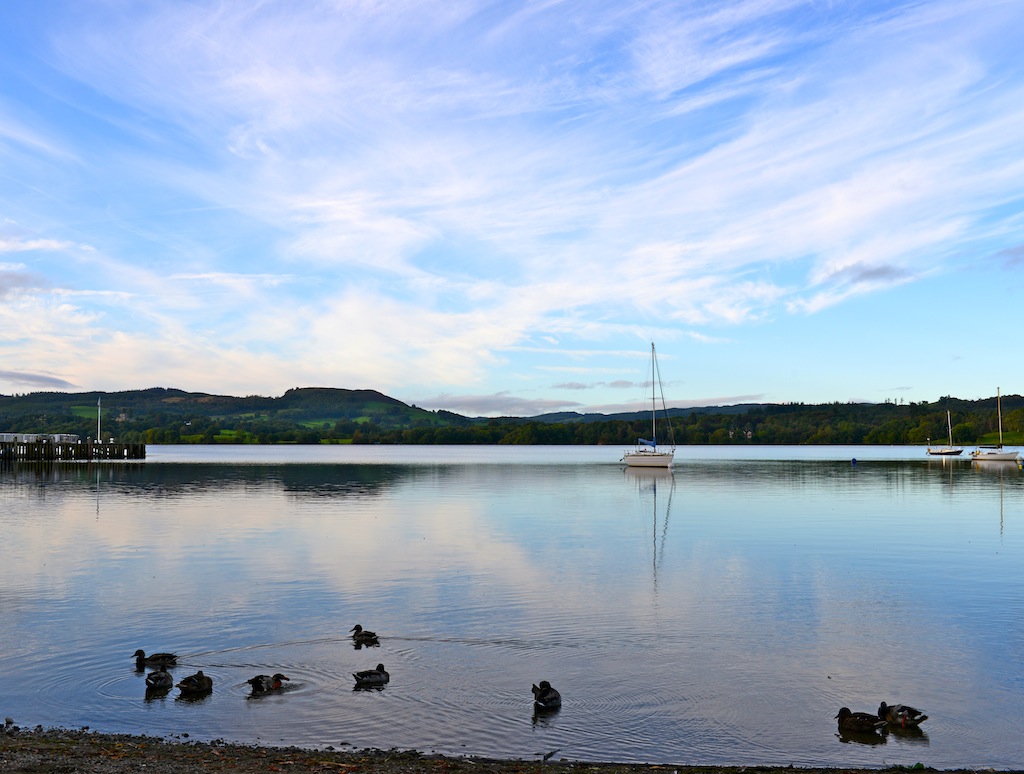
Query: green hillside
x,y
330,415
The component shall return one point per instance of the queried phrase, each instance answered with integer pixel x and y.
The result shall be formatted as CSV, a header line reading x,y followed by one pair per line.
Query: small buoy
x,y
853,461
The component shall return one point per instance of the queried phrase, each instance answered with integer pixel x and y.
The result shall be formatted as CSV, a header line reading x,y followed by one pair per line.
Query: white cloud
x,y
438,200
28,245
36,381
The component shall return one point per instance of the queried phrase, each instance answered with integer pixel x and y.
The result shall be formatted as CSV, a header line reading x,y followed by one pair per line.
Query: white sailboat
x,y
995,453
946,451
647,454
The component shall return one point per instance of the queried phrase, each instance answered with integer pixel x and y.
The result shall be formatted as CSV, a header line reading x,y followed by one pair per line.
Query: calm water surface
x,y
720,614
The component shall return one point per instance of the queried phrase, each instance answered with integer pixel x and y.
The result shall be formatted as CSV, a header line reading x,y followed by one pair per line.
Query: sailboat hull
x,y
648,459
994,456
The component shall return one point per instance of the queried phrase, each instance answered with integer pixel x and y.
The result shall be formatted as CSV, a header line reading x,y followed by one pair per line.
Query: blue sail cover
x,y
649,443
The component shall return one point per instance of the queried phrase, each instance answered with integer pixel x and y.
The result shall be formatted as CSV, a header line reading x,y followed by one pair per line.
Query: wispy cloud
x,y
29,245
431,200
14,279
36,381
1013,256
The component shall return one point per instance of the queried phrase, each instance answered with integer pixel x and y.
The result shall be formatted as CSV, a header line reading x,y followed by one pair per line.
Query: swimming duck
x,y
901,715
363,637
545,697
267,683
196,685
372,677
154,659
859,722
159,680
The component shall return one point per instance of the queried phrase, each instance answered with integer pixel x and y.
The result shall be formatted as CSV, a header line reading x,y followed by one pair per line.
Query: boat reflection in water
x,y
650,482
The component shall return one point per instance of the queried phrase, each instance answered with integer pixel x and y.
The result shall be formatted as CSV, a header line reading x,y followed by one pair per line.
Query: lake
x,y
720,613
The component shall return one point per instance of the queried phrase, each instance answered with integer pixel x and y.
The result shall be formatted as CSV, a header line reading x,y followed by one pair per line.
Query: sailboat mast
x,y
999,415
949,424
654,429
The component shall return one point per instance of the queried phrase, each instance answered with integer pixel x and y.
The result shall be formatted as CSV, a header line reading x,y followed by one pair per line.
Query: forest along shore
x,y
53,750
330,415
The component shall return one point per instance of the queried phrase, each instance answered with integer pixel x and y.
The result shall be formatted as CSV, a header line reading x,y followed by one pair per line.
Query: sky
x,y
494,208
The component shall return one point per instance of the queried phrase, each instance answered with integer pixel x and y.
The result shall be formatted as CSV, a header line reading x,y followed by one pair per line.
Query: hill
x,y
174,416
333,415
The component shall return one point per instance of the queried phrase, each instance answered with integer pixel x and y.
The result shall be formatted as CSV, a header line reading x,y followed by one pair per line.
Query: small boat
x,y
995,453
946,451
646,454
372,678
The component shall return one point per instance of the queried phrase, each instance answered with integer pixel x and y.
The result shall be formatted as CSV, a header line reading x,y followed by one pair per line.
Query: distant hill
x,y
188,414
332,403
632,416
334,415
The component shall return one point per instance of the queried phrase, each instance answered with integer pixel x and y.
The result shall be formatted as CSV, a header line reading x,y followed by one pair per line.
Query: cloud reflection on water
x,y
773,588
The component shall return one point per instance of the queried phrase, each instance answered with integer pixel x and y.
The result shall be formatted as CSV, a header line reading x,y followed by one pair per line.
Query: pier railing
x,y
56,451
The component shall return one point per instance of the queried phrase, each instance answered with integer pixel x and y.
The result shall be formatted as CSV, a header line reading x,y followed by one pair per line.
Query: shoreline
x,y
52,750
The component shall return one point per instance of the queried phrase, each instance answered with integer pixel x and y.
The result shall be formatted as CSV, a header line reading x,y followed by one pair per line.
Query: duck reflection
x,y
910,735
544,718
861,737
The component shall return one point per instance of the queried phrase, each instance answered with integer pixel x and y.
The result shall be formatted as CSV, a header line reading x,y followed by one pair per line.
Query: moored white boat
x,y
647,454
946,451
995,453
649,458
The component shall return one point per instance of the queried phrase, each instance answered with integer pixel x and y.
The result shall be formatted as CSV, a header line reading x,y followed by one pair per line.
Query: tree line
x,y
393,422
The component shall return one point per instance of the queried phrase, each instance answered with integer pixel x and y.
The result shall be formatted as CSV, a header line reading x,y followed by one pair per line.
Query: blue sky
x,y
494,207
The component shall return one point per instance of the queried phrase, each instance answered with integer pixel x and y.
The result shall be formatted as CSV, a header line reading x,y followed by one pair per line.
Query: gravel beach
x,y
53,750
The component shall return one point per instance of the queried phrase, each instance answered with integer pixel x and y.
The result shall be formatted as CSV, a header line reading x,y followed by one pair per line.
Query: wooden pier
x,y
57,451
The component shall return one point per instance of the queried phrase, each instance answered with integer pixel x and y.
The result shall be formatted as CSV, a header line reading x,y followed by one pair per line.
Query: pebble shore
x,y
58,750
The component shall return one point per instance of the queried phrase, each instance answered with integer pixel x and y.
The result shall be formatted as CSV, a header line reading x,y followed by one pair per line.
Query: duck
x,y
901,715
545,697
267,683
363,637
371,677
859,722
159,680
154,659
196,685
